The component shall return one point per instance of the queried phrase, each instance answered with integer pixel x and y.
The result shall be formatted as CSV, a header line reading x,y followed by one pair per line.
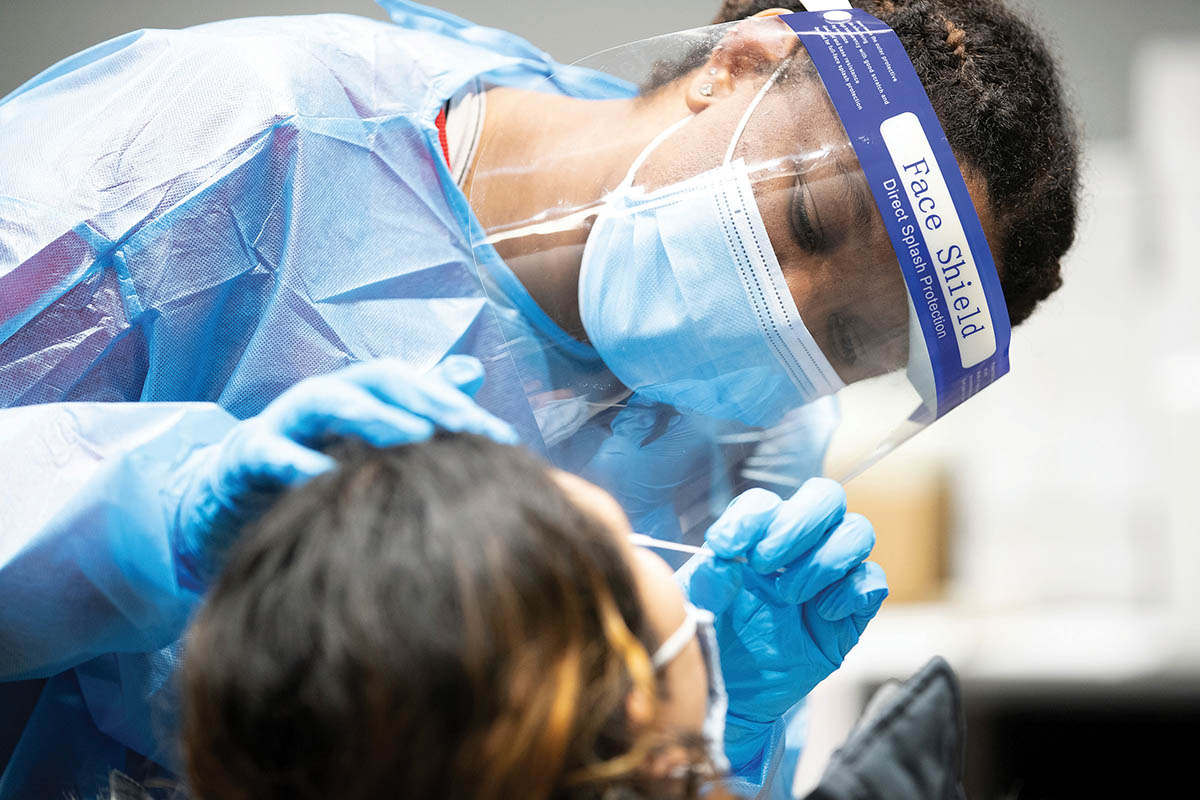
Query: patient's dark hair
x,y
995,87
436,620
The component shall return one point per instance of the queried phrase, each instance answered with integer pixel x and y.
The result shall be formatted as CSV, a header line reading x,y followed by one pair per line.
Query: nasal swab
x,y
642,540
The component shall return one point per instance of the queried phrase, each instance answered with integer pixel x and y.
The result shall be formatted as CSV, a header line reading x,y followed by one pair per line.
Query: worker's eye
x,y
805,221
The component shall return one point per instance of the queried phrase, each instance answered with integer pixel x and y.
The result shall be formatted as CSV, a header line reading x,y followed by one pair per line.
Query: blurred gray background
x,y
1096,39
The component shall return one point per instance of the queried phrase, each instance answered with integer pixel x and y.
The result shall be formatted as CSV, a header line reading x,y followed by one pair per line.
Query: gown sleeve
x,y
101,152
87,556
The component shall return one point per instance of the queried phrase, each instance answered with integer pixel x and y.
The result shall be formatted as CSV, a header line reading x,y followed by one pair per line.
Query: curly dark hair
x,y
995,87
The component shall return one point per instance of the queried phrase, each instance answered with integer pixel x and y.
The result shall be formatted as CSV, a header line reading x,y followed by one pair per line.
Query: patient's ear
x,y
639,708
746,50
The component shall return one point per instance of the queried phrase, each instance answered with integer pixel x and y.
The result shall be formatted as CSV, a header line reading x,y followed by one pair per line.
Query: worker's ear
x,y
746,49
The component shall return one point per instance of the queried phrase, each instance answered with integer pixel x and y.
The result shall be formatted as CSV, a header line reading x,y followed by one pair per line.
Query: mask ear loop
x,y
650,148
737,134
670,649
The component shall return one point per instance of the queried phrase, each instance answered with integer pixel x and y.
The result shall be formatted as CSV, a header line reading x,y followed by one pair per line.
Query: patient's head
x,y
450,619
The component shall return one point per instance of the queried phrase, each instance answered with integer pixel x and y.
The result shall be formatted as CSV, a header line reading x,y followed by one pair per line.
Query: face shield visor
x,y
771,247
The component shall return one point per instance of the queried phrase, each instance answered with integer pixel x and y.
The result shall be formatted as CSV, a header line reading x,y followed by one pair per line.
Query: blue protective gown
x,y
190,222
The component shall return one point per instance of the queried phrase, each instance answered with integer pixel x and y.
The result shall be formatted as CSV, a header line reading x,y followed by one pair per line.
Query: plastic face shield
x,y
788,260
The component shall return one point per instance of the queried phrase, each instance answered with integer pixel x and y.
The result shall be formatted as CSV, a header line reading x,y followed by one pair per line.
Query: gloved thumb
x,y
635,422
271,461
710,582
464,372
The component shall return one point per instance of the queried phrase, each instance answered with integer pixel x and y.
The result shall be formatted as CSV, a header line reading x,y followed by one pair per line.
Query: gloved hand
x,y
383,402
782,633
652,452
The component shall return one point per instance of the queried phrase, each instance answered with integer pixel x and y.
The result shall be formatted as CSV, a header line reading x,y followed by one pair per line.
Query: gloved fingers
x,y
271,461
331,407
842,550
678,440
635,422
744,523
435,395
661,431
466,373
858,595
798,524
710,583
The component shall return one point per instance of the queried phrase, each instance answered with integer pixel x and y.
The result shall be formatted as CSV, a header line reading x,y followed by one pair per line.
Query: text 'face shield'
x,y
768,235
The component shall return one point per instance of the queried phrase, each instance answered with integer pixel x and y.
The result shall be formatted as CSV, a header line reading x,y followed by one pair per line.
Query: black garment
x,y
910,744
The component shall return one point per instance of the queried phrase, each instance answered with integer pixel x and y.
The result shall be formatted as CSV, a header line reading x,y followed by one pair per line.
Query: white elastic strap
x,y
737,134
809,5
648,149
673,646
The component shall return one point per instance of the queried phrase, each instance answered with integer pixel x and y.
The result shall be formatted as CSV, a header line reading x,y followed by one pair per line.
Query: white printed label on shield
x,y
938,222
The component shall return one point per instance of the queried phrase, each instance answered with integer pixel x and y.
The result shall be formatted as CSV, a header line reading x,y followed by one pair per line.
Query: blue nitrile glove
x,y
652,452
383,402
782,633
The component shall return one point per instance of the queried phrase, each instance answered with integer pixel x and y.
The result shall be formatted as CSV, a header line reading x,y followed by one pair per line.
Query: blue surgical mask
x,y
682,296
700,624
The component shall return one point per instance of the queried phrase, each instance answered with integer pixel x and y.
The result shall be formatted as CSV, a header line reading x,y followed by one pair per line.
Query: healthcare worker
x,y
211,215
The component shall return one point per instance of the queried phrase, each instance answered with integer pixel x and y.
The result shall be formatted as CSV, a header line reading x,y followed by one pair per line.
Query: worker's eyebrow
x,y
855,193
